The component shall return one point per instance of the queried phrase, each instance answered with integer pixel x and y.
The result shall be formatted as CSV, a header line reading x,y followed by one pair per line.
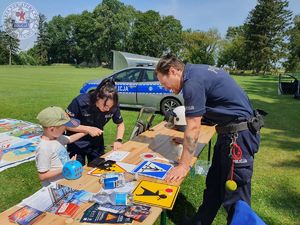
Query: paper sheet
x,y
117,155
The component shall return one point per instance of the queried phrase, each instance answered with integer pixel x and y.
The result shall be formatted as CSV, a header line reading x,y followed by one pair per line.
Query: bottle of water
x,y
114,198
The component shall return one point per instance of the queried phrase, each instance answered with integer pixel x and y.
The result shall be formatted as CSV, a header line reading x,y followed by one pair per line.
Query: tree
x,y
293,63
170,30
265,34
200,47
42,42
113,22
153,35
84,37
4,53
232,49
145,36
9,47
60,32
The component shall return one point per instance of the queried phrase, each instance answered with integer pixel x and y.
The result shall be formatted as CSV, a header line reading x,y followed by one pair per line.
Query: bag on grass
x,y
244,215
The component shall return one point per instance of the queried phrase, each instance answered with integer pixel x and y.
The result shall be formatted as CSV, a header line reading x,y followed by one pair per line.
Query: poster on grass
x,y
18,142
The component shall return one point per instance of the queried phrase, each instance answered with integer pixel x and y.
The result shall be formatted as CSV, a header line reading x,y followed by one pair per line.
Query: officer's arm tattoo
x,y
191,144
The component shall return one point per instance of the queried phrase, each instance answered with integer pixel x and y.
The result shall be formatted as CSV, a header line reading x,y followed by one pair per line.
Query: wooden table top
x,y
157,140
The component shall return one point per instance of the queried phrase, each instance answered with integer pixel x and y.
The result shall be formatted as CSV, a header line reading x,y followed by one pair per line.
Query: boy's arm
x,y
75,137
93,131
50,174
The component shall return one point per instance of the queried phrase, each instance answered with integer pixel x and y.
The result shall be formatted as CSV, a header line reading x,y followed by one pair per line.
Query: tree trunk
x,y
9,57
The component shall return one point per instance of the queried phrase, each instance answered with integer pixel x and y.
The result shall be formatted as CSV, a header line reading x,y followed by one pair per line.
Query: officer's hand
x,y
94,131
117,145
177,173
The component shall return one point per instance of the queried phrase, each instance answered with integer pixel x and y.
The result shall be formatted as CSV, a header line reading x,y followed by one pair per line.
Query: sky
x,y
195,14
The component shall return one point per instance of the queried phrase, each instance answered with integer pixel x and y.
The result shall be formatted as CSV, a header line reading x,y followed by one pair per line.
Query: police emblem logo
x,y
107,116
20,20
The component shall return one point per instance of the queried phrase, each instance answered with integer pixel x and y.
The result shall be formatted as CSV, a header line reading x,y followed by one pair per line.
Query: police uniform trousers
x,y
215,193
90,152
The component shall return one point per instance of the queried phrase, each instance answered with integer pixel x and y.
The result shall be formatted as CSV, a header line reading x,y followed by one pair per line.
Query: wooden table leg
x,y
209,149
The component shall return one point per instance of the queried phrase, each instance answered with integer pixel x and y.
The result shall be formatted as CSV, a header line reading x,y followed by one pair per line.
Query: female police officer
x,y
94,110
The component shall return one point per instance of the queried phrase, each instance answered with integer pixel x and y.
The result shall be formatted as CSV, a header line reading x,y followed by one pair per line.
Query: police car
x,y
138,87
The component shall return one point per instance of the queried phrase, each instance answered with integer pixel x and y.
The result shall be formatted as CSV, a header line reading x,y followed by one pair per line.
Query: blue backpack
x,y
244,215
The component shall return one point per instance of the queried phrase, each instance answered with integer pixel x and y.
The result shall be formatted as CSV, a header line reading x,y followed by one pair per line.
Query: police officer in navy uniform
x,y
210,93
94,110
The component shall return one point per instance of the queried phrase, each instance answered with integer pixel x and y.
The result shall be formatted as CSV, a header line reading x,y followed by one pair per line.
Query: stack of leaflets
x,y
67,209
26,215
54,199
117,209
94,215
138,212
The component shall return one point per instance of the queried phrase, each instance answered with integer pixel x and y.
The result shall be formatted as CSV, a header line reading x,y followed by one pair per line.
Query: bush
x,y
26,59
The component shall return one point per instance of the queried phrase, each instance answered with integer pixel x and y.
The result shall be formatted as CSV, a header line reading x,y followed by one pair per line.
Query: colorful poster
x,y
157,194
18,142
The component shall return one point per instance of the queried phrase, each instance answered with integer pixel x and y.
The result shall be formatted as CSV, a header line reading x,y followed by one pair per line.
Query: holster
x,y
254,124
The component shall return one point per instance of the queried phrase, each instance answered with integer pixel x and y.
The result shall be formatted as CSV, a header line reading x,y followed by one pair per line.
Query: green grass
x,y
24,91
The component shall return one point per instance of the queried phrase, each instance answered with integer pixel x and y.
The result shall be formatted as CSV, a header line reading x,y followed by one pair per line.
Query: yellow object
x,y
161,195
112,169
231,185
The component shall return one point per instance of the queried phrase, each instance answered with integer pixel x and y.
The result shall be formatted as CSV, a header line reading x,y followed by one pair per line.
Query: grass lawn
x,y
24,91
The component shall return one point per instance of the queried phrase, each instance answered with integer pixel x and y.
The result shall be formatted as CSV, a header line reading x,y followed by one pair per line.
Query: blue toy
x,y
72,170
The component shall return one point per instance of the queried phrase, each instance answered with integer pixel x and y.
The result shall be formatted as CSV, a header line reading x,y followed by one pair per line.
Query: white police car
x,y
138,87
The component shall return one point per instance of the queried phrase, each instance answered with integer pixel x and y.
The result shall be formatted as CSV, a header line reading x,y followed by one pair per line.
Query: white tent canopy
x,y
124,59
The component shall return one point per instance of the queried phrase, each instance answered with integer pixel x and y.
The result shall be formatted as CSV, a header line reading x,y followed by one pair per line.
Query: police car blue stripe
x,y
131,89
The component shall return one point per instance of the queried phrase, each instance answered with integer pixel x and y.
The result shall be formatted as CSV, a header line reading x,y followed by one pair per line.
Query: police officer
x,y
94,110
210,93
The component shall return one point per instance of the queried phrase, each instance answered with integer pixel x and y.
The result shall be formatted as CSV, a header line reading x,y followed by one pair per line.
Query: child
x,y
51,154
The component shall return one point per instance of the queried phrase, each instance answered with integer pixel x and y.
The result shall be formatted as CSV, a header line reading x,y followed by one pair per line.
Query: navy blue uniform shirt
x,y
212,93
89,115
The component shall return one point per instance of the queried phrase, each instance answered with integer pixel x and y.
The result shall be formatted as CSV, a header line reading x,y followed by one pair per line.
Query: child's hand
x,y
74,157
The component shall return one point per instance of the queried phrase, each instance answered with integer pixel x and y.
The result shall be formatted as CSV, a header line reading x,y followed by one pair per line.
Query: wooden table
x,y
158,140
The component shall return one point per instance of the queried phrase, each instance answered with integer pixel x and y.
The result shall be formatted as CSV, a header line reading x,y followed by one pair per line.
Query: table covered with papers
x,y
144,160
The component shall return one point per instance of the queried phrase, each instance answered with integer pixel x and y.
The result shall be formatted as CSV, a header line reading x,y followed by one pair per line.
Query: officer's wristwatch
x,y
119,140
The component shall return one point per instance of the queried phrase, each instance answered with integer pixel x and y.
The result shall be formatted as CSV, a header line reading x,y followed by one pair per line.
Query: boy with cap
x,y
51,154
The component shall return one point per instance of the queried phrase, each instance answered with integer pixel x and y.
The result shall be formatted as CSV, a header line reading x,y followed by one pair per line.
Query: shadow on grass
x,y
182,209
281,140
283,112
294,163
283,199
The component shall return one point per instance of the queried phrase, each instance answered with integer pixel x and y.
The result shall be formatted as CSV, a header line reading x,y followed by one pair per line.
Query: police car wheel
x,y
168,104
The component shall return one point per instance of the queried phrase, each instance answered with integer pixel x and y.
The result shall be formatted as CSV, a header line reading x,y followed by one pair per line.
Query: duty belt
x,y
232,128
